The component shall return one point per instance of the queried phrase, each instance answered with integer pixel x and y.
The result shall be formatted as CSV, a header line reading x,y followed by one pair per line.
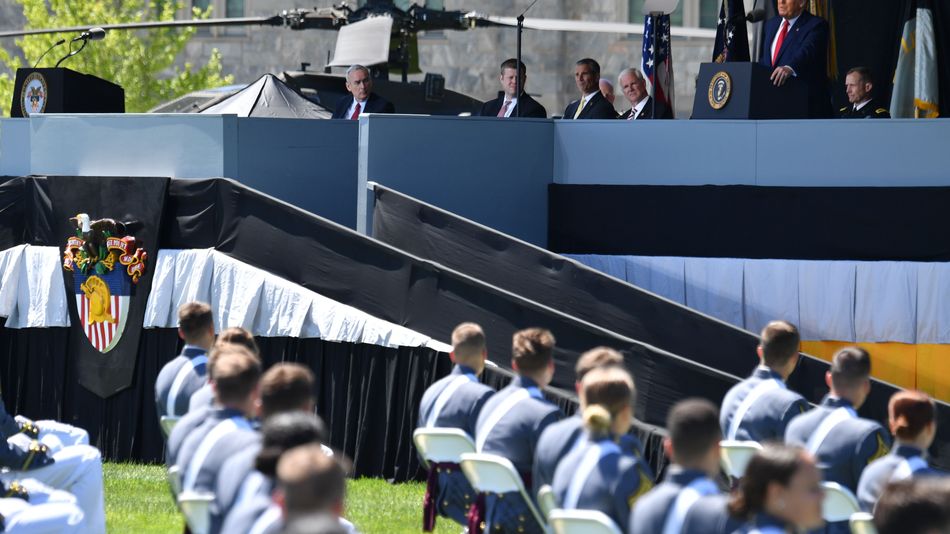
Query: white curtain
x,y
32,293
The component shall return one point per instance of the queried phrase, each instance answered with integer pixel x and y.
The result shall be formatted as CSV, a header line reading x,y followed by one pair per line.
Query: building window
x,y
234,8
709,13
220,9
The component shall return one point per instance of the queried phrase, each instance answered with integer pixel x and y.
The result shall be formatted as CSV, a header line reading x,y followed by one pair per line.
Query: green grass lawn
x,y
138,501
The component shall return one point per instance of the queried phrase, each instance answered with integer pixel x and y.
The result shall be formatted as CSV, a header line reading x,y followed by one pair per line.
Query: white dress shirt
x,y
352,108
511,106
858,106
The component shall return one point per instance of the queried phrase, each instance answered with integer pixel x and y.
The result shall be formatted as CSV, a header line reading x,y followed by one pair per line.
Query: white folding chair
x,y
196,508
582,522
174,480
735,456
168,423
546,500
489,473
442,444
862,523
839,504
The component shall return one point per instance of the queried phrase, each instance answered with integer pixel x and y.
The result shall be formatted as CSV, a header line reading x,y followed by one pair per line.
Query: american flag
x,y
657,65
732,37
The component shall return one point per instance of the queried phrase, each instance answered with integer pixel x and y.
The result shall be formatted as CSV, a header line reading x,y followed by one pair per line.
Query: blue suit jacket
x,y
805,50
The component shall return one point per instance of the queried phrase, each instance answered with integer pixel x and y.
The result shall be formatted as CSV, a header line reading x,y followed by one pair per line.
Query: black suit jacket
x,y
597,108
805,50
529,107
374,104
662,112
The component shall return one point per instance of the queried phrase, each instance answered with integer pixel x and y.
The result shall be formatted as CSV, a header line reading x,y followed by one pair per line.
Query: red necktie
x,y
356,112
504,109
781,39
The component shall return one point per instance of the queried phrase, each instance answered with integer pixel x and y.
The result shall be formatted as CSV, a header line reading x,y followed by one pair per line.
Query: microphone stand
x,y
519,66
85,41
48,50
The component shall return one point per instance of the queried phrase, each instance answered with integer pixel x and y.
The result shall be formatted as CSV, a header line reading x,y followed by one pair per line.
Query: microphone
x,y
756,15
48,50
93,34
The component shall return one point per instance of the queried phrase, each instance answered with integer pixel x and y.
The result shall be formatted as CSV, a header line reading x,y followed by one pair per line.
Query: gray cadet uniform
x,y
562,437
509,426
179,379
903,462
765,524
182,430
453,402
710,515
223,434
234,471
600,475
201,398
665,509
759,408
249,508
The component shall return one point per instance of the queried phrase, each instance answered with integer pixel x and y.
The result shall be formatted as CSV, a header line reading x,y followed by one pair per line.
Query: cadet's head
x,y
593,359
221,347
283,432
286,387
359,82
195,324
633,85
607,404
858,84
850,375
309,481
236,376
509,82
469,346
790,9
694,435
587,75
778,347
532,354
784,482
910,415
914,506
239,336
607,89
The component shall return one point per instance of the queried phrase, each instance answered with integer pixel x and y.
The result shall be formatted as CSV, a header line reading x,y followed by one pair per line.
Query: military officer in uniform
x,y
184,375
911,418
598,474
859,84
693,447
760,407
455,402
560,438
510,424
843,443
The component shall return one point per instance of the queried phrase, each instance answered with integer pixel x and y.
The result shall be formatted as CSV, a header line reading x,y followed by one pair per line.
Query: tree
x,y
142,62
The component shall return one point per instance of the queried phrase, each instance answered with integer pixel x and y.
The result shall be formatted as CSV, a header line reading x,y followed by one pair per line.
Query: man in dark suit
x,y
591,104
795,45
509,105
634,88
361,100
859,84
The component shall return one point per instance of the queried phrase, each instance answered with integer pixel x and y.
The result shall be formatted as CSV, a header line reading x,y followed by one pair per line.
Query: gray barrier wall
x,y
14,147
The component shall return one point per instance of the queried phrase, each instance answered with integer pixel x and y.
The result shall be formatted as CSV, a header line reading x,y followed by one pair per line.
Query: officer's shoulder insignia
x,y
645,485
882,448
880,110
842,109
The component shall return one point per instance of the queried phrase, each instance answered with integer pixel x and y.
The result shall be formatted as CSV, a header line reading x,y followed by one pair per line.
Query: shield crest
x,y
103,304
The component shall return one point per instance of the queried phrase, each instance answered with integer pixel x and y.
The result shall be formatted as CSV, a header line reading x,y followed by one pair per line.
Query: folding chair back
x,y
168,423
735,456
546,500
439,445
197,510
489,473
174,480
582,522
839,504
862,523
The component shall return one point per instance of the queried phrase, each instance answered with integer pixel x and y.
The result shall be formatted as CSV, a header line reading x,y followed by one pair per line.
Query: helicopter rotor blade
x,y
565,25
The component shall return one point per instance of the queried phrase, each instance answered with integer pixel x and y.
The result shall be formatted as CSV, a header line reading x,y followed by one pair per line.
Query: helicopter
x,y
382,27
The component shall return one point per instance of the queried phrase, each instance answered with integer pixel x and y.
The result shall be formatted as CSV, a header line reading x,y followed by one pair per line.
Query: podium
x,y
735,90
62,90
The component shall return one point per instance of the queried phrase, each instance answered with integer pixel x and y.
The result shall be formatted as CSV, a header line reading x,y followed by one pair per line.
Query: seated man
x,y
634,89
693,447
23,517
509,105
591,104
361,99
858,84
760,407
184,375
512,421
228,428
455,402
204,397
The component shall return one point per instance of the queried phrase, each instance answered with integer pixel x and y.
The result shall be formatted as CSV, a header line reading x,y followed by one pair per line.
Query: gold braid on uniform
x,y
35,448
30,429
16,491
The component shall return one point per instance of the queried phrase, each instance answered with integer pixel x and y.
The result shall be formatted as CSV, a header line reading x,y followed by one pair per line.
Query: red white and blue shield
x,y
102,301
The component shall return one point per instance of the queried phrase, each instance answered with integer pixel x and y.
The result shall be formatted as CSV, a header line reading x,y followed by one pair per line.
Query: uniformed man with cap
x,y
455,401
186,374
761,406
843,443
562,437
510,424
858,85
693,447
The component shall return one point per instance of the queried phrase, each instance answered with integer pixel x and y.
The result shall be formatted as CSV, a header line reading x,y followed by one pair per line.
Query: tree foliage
x,y
142,62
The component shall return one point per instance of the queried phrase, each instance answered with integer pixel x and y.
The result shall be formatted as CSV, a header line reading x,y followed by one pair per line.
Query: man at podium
x,y
796,45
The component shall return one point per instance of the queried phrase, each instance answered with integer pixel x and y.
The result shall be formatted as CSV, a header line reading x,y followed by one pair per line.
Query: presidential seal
x,y
106,264
720,89
33,94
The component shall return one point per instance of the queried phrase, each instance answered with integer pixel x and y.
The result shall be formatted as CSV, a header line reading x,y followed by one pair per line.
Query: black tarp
x,y
738,221
555,281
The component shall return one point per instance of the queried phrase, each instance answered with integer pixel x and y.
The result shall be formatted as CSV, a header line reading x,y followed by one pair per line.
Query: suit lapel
x,y
794,35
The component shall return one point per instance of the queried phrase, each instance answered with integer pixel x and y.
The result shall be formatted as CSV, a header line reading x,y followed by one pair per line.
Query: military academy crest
x,y
34,94
106,266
